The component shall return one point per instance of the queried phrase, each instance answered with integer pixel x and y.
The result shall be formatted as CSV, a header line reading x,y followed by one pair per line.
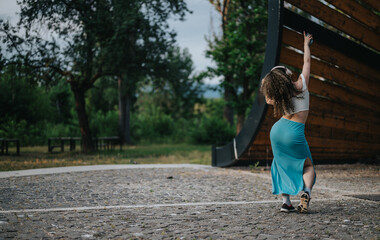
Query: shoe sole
x,y
302,207
286,210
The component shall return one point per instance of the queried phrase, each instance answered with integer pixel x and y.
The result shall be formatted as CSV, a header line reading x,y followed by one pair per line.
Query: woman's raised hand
x,y
308,39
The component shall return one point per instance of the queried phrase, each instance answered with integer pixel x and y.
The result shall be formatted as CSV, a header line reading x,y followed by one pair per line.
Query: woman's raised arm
x,y
306,57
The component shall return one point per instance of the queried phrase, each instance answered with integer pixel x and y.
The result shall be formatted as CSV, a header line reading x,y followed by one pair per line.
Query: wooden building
x,y
344,117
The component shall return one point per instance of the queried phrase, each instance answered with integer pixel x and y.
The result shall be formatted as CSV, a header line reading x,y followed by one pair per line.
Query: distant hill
x,y
210,93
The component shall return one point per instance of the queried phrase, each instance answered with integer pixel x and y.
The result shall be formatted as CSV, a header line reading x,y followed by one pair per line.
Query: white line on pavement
x,y
43,171
150,206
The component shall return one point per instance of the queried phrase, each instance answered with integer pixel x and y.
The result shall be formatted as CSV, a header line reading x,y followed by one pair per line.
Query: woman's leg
x,y
286,204
286,199
308,179
308,175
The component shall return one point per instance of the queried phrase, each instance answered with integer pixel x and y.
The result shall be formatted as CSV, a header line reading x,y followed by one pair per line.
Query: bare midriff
x,y
300,117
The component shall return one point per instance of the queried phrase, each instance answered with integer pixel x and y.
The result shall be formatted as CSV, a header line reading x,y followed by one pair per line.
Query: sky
x,y
191,33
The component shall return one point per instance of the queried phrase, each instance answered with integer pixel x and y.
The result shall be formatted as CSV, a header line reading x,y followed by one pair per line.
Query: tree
x,y
70,49
222,6
176,90
239,53
140,36
62,101
104,95
20,99
25,107
87,40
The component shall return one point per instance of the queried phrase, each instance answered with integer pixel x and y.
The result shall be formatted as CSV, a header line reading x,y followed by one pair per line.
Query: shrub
x,y
28,134
62,130
154,127
212,130
104,124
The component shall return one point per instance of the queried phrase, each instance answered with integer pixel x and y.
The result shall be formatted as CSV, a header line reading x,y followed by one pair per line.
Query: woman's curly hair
x,y
277,86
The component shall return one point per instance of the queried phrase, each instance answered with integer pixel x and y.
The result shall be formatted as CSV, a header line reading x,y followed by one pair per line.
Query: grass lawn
x,y
38,157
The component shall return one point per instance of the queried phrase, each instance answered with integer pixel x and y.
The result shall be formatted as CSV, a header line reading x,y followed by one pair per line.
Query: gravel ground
x,y
186,203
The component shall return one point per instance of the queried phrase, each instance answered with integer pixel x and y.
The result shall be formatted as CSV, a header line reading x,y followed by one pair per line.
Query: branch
x,y
217,5
97,75
62,73
70,6
225,10
100,73
10,37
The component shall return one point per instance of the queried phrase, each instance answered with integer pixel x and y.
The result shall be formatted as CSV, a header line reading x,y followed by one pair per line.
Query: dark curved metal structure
x,y
344,117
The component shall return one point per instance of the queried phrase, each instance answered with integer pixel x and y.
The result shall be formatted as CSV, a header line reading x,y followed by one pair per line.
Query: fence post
x,y
6,147
18,146
2,146
62,144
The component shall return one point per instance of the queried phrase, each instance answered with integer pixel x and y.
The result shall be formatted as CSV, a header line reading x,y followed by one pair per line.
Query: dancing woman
x,y
292,167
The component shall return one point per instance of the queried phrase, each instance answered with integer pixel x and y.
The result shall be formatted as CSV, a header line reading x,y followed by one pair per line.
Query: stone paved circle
x,y
184,202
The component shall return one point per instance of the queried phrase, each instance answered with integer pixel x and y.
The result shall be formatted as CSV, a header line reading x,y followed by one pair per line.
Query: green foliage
x,y
109,40
135,35
49,112
32,113
176,91
27,133
239,52
210,127
62,102
104,124
104,95
89,40
212,130
61,130
255,166
24,107
151,124
212,107
76,55
20,99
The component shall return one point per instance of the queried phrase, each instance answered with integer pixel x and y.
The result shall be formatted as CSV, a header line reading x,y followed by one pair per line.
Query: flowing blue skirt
x,y
290,150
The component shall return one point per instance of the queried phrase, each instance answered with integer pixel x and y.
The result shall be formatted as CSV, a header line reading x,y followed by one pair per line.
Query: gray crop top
x,y
301,104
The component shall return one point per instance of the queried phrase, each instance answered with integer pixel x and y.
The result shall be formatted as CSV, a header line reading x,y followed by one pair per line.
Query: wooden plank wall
x,y
344,117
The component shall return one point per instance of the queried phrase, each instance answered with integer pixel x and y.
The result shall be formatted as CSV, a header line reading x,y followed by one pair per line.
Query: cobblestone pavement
x,y
186,203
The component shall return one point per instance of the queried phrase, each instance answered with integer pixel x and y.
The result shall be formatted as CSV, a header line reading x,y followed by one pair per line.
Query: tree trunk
x,y
228,112
240,122
222,7
80,107
242,108
125,104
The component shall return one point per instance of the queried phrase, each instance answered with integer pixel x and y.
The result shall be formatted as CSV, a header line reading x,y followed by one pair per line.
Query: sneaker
x,y
304,204
286,208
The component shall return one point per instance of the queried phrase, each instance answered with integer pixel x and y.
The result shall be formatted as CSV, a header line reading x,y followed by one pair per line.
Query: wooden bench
x,y
344,118
4,145
105,143
59,142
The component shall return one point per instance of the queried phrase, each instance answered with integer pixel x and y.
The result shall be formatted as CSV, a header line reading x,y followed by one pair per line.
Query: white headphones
x,y
287,71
